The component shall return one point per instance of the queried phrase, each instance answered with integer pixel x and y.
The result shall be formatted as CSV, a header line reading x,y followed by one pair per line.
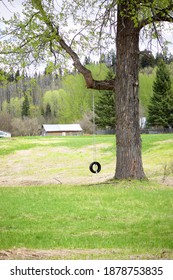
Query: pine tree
x,y
17,76
105,108
160,110
146,59
48,112
25,107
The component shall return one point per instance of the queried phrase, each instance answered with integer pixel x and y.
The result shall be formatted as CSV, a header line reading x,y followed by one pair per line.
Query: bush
x,y
25,127
86,123
5,122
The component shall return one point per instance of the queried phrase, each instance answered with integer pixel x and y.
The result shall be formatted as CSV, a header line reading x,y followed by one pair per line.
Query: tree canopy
x,y
49,31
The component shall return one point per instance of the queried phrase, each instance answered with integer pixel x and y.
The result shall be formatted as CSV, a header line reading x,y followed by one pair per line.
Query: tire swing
x,y
95,166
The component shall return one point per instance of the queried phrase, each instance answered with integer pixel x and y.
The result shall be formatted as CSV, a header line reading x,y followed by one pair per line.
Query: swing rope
x,y
95,166
94,128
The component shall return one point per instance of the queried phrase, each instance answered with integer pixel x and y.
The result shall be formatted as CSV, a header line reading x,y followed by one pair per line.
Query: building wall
x,y
62,133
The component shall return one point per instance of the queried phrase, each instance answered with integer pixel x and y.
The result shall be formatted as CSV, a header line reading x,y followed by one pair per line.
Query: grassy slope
x,y
145,89
157,151
133,217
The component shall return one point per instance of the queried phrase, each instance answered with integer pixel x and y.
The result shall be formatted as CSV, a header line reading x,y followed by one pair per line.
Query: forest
x,y
54,96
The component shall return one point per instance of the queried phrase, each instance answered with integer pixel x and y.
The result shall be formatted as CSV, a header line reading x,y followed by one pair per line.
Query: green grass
x,y
150,141
157,152
145,88
9,146
129,217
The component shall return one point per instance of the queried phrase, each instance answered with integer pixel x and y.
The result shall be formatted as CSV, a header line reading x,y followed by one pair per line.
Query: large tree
x,y
43,27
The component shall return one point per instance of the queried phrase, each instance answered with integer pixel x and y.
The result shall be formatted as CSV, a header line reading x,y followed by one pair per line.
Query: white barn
x,y
61,129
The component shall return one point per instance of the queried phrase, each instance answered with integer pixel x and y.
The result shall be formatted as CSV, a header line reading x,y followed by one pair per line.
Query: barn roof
x,y
62,127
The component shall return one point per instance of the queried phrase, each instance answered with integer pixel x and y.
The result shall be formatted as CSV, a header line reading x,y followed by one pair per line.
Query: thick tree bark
x,y
129,158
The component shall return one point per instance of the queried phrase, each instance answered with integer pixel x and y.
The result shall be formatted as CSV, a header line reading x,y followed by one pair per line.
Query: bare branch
x,y
6,6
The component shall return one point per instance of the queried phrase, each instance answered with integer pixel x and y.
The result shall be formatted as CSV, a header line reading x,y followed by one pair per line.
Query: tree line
x,y
46,98
28,102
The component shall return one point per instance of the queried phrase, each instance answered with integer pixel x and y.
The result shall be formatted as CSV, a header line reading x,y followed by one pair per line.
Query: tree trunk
x,y
128,141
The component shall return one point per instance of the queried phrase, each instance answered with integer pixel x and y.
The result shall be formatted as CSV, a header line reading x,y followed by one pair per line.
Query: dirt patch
x,y
166,182
29,254
165,141
22,254
54,166
62,179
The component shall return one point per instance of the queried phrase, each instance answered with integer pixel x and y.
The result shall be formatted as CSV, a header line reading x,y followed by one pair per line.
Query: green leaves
x,y
91,24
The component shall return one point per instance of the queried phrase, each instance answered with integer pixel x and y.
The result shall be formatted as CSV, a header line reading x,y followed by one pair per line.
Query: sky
x,y
7,9
166,32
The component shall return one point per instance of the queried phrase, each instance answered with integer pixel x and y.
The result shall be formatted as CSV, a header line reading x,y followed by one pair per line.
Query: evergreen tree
x,y
25,106
3,77
160,110
146,59
17,75
48,112
105,108
10,77
87,60
111,60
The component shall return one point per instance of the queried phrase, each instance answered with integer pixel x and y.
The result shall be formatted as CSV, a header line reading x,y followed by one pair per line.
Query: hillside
x,y
58,98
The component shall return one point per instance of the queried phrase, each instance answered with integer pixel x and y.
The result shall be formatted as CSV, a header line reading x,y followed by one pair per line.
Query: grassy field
x,y
104,220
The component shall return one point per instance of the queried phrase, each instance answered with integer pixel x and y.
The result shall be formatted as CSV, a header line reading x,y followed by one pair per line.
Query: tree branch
x,y
90,82
157,16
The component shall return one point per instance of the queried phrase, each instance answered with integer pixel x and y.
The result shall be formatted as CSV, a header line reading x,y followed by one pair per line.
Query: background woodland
x,y
26,102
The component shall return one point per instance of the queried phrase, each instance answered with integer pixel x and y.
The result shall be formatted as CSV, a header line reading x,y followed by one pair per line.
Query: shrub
x,y
25,127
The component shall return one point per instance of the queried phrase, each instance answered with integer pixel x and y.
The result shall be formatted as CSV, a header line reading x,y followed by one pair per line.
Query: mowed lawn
x,y
126,219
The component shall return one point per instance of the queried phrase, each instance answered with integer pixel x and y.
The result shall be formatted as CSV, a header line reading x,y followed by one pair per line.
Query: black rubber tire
x,y
95,163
